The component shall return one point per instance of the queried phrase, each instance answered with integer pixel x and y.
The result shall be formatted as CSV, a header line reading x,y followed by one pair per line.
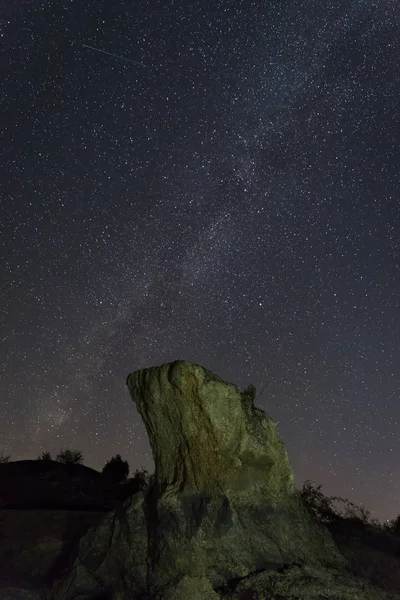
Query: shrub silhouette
x,y
250,392
140,482
45,456
320,505
116,469
143,479
5,458
326,509
69,457
393,525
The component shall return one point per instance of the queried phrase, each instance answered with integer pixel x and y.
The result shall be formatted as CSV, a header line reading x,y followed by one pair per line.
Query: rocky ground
x,y
36,545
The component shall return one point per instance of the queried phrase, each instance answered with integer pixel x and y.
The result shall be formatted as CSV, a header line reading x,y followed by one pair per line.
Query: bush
x,y
393,525
320,505
250,393
69,457
140,482
45,456
116,469
326,509
5,458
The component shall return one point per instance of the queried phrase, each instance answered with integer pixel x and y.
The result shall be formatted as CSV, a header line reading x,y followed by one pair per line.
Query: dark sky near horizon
x,y
224,190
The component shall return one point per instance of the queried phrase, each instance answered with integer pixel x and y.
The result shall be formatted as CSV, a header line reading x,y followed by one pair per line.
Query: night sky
x,y
221,187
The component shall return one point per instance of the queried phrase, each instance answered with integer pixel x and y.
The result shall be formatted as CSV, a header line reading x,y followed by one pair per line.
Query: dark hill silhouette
x,y
48,484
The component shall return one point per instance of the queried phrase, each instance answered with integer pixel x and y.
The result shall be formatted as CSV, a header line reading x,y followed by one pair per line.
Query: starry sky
x,y
212,181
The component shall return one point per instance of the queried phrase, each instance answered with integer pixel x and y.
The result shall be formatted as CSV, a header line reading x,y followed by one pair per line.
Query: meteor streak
x,y
116,55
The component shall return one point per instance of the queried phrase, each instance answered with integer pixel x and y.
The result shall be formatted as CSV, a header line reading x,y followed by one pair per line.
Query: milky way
x,y
233,202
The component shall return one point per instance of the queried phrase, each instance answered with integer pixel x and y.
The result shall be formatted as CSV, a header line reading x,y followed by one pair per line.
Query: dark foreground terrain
x,y
36,547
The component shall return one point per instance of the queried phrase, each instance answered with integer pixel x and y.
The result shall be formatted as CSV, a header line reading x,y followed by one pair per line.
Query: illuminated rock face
x,y
206,435
222,507
223,503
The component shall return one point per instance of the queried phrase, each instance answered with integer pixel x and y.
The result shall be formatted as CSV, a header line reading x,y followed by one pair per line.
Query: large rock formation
x,y
224,503
222,518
